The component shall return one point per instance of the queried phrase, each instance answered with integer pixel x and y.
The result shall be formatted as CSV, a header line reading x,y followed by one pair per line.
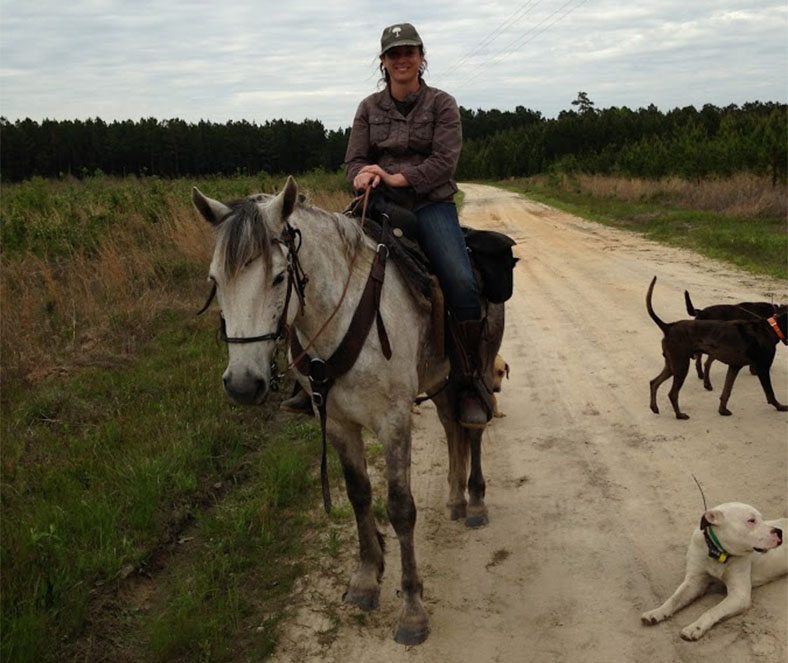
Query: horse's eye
x,y
279,278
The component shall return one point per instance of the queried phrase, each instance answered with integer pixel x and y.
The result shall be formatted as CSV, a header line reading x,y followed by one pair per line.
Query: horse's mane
x,y
243,234
350,233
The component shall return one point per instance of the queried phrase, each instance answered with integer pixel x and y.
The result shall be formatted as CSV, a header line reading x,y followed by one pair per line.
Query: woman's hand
x,y
367,177
373,175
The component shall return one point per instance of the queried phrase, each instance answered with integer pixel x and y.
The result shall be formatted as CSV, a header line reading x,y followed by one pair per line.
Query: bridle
x,y
296,282
323,373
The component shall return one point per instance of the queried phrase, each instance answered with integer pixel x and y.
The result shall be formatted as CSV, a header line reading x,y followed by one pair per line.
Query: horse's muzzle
x,y
245,389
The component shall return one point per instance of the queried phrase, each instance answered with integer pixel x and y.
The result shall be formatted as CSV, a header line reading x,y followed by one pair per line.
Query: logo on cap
x,y
396,31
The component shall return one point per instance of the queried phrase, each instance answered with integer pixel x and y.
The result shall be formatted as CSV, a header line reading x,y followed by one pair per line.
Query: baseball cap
x,y
401,34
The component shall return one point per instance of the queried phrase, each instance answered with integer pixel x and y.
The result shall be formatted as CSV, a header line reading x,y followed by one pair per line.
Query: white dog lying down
x,y
736,546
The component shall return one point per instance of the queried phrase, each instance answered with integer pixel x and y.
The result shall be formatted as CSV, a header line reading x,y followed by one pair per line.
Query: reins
x,y
325,324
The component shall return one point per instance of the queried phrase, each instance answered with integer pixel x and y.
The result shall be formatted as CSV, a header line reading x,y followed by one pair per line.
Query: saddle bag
x,y
491,254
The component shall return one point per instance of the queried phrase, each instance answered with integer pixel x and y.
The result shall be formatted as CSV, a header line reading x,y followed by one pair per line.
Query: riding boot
x,y
300,402
474,407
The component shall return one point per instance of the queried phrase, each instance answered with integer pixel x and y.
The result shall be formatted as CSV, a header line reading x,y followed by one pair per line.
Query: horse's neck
x,y
325,262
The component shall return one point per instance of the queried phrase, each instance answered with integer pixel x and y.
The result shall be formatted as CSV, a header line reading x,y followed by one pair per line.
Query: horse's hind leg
x,y
477,509
464,444
457,443
364,587
412,626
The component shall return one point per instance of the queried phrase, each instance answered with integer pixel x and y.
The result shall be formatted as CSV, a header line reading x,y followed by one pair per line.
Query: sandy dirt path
x,y
590,494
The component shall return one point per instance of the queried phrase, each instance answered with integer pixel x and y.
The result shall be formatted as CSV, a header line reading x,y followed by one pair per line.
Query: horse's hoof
x,y
476,520
457,511
367,601
411,635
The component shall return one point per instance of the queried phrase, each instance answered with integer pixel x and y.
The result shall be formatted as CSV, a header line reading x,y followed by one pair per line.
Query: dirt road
x,y
590,494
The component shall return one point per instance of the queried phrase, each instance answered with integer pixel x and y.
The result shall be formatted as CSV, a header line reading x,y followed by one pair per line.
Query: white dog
x,y
736,546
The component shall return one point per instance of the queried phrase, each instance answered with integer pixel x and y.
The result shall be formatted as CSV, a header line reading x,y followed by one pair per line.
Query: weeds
x,y
126,434
740,220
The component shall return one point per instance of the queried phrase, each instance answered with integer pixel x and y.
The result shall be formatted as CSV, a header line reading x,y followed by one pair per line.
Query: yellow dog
x,y
501,370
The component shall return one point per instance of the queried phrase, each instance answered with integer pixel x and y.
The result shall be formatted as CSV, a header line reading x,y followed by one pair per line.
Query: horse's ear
x,y
286,200
211,210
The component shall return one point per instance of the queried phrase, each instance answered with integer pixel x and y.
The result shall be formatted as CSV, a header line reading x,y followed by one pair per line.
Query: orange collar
x,y
776,328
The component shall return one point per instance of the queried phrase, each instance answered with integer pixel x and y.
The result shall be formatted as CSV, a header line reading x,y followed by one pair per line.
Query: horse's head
x,y
250,277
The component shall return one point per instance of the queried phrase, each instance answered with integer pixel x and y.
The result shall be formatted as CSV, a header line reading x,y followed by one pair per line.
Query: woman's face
x,y
403,64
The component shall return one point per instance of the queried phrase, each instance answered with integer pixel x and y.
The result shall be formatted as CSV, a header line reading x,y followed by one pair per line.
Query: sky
x,y
297,59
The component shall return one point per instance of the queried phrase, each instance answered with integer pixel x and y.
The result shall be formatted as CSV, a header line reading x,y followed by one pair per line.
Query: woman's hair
x,y
384,75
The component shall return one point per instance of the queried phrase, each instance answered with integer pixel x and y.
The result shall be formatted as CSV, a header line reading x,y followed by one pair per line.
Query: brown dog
x,y
501,370
740,311
735,342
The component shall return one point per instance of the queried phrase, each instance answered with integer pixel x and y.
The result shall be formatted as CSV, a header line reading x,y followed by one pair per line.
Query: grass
x,y
741,221
104,468
117,438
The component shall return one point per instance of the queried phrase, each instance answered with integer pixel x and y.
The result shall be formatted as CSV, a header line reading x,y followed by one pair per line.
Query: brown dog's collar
x,y
773,322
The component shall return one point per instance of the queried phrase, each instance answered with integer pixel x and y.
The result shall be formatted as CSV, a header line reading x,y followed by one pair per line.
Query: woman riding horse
x,y
407,138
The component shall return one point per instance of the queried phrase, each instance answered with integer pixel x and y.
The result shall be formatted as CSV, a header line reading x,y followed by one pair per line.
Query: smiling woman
x,y
406,141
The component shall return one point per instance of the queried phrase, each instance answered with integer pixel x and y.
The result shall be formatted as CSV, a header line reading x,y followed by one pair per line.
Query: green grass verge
x,y
104,467
759,246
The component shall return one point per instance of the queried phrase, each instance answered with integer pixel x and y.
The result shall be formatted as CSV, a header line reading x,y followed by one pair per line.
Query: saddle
x,y
390,220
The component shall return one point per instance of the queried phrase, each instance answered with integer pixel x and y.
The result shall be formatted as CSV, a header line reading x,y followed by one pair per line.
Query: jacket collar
x,y
386,101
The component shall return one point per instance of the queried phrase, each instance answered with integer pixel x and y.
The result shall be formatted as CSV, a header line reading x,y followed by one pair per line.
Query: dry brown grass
x,y
98,305
741,195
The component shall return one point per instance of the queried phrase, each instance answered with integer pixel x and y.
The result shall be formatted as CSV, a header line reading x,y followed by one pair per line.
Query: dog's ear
x,y
710,517
506,368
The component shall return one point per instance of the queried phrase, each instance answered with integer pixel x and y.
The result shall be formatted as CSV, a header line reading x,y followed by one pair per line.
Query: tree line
x,y
641,143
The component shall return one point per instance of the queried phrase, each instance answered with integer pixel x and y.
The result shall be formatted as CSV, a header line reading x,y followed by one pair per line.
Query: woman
x,y
408,137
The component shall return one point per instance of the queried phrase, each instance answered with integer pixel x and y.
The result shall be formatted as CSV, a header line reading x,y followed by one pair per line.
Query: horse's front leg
x,y
364,587
412,627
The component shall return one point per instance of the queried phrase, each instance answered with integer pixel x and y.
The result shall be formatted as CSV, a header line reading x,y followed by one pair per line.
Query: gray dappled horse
x,y
251,275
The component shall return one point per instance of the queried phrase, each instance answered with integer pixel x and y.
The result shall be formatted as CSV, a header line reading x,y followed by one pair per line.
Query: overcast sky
x,y
261,60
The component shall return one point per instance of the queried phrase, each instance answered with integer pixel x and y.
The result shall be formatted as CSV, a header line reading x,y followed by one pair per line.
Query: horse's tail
x,y
690,308
662,325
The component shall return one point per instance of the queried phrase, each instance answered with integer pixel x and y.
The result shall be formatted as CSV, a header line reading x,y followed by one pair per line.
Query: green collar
x,y
716,551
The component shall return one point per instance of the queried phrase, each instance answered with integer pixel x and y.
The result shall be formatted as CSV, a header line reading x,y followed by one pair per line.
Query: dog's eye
x,y
752,521
279,278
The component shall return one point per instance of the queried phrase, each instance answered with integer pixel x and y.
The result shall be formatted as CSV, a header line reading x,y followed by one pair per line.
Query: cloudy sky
x,y
263,60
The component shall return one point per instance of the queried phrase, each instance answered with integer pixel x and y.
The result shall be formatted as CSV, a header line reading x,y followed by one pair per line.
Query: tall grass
x,y
742,195
740,220
115,432
89,265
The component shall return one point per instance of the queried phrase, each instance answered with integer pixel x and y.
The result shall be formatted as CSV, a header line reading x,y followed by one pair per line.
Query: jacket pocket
x,y
422,130
379,129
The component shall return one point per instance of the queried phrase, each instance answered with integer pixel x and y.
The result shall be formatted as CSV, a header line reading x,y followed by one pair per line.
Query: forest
x,y
647,142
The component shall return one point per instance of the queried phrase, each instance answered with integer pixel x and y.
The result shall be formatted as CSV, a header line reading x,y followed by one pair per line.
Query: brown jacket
x,y
424,146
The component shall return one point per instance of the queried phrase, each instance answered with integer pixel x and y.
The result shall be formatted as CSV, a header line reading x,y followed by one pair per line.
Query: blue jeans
x,y
441,239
